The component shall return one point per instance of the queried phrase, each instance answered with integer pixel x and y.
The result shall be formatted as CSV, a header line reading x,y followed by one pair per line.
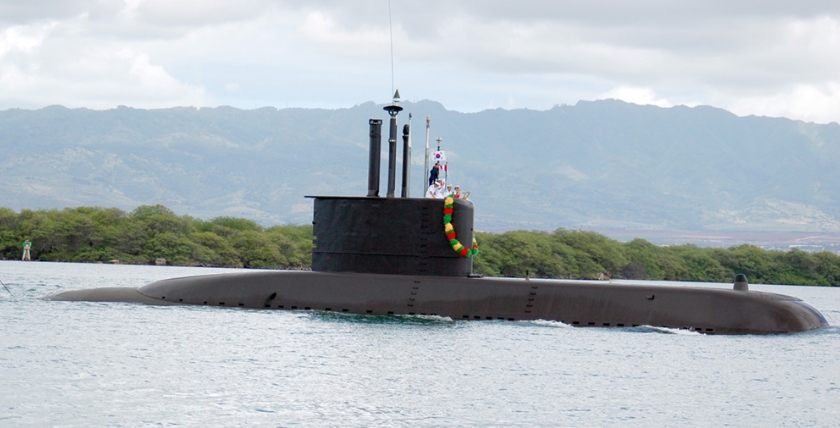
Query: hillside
x,y
594,165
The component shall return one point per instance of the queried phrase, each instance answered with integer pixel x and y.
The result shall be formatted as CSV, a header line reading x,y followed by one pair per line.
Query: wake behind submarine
x,y
404,256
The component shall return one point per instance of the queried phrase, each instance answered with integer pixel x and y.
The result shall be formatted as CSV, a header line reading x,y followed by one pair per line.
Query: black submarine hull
x,y
577,303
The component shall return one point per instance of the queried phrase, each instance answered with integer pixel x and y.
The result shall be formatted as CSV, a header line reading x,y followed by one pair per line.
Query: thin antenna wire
x,y
391,31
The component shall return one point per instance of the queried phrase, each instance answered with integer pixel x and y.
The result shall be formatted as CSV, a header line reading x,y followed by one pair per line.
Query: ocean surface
x,y
73,364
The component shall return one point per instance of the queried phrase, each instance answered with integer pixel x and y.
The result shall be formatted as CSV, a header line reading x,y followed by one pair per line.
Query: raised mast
x,y
393,110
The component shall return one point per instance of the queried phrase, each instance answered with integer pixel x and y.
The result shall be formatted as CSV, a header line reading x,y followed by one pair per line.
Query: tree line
x,y
151,232
589,255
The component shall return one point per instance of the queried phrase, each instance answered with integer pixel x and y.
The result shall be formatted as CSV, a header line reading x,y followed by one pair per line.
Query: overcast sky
x,y
770,58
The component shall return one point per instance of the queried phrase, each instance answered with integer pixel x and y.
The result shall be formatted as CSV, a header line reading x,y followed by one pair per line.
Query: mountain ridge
x,y
594,165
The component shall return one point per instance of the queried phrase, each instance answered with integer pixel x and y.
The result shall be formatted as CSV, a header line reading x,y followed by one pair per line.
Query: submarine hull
x,y
577,303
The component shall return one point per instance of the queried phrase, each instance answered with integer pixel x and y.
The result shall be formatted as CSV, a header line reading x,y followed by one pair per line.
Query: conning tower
x,y
390,235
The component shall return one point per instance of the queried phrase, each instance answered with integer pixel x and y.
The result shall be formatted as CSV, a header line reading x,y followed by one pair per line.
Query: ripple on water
x,y
329,316
99,364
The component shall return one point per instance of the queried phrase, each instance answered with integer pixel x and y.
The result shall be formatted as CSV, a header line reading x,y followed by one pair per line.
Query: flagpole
x,y
445,163
426,167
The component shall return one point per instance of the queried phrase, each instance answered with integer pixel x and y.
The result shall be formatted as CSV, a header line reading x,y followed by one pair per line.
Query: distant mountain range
x,y
595,165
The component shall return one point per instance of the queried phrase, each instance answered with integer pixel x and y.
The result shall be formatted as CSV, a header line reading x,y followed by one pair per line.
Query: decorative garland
x,y
448,209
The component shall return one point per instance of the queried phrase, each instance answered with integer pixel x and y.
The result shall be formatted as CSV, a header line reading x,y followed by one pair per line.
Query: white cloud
x,y
805,102
57,64
23,38
635,95
191,13
753,57
321,30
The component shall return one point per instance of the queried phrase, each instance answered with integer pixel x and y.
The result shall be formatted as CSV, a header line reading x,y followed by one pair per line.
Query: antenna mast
x,y
391,31
426,167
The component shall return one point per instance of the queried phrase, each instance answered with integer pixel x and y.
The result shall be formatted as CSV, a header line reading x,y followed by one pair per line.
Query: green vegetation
x,y
580,254
149,232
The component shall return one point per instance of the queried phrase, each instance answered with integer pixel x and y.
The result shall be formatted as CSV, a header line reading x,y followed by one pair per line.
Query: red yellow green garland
x,y
448,209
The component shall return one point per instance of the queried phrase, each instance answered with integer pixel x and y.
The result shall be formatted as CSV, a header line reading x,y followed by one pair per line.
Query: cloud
x,y
810,103
192,13
51,62
635,95
752,57
23,38
322,31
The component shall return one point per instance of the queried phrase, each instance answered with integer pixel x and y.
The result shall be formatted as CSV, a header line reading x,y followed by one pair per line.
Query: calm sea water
x,y
109,364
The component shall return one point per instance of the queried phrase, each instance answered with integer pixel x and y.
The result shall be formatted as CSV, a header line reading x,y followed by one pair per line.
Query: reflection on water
x,y
381,319
98,364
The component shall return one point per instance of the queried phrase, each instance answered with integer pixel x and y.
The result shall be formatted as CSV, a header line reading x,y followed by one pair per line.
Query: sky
x,y
765,58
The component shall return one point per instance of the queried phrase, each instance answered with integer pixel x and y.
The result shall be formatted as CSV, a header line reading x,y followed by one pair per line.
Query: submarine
x,y
405,256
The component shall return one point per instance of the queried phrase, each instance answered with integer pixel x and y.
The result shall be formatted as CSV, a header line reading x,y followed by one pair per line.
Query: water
x,y
107,364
